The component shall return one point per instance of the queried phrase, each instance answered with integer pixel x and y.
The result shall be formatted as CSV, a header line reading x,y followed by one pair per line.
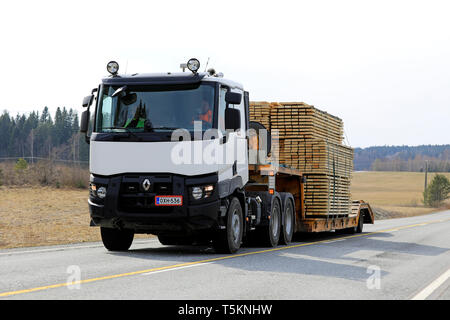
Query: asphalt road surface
x,y
394,259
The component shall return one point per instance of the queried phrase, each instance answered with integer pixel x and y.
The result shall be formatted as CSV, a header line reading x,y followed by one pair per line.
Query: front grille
x,y
162,188
140,203
134,198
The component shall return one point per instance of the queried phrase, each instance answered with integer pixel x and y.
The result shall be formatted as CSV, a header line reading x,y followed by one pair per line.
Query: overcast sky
x,y
381,66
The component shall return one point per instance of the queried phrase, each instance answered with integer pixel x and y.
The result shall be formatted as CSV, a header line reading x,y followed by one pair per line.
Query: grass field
x,y
35,216
393,194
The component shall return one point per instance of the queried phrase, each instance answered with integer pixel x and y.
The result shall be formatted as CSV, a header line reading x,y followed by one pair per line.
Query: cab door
x,y
234,146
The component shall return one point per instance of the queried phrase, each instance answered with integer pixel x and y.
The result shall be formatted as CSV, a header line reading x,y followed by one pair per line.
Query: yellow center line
x,y
59,285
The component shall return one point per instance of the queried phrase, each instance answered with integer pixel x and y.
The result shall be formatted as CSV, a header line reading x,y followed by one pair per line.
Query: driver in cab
x,y
205,114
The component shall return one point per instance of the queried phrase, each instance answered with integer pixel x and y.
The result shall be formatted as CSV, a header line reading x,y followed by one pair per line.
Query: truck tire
x,y
117,239
230,239
270,235
359,228
287,229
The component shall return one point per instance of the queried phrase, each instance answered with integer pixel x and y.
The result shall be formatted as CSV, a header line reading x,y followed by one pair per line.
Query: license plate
x,y
168,200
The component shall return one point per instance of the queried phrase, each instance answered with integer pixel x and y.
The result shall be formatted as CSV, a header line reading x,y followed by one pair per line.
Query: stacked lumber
x,y
300,120
327,195
311,140
316,156
260,112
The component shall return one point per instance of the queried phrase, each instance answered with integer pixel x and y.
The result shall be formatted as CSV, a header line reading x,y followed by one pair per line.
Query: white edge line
x,y
425,293
62,248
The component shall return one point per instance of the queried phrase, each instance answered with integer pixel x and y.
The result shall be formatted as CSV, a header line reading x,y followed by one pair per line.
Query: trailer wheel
x,y
230,239
117,239
360,226
288,223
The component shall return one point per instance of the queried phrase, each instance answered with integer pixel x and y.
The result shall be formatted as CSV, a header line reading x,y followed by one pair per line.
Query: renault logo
x,y
146,184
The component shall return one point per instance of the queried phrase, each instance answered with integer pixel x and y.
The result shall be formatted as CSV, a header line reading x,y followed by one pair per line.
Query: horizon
x,y
52,114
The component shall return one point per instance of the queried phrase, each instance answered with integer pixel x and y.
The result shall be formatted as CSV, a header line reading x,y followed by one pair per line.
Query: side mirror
x,y
87,101
233,97
84,124
232,119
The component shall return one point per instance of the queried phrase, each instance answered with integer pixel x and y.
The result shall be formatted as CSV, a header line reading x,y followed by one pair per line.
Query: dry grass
x,y
37,216
44,173
393,194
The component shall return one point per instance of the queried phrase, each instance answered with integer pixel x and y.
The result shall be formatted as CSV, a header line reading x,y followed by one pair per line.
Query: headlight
x,y
208,190
112,67
202,192
101,192
197,193
193,65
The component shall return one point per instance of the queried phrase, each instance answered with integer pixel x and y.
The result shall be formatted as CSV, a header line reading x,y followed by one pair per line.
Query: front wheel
x,y
117,239
229,240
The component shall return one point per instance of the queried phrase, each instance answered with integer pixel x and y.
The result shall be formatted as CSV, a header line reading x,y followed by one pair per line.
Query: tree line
x,y
39,135
403,158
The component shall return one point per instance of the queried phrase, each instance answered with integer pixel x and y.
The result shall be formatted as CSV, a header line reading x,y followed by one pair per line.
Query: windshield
x,y
154,108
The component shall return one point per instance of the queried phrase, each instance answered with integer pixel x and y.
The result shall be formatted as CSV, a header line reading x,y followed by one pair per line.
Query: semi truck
x,y
176,155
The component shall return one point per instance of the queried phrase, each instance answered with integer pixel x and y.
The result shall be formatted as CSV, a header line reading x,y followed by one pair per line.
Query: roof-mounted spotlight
x,y
112,67
193,65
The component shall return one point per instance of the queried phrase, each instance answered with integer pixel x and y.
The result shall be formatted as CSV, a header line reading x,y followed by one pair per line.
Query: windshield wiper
x,y
126,129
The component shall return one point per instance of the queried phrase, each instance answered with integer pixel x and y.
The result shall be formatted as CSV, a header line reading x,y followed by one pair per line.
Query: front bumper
x,y
127,205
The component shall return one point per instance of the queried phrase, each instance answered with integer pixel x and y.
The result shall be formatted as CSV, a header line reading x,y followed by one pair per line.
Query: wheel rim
x,y
288,222
275,223
236,226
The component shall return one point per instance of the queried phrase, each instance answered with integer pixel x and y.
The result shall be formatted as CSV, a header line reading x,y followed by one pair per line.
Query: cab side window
x,y
222,107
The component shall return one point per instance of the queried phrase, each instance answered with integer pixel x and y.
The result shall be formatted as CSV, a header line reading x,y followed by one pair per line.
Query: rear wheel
x,y
359,228
270,234
288,223
117,239
229,240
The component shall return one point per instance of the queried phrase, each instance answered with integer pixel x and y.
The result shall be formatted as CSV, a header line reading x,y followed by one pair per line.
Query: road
x,y
405,258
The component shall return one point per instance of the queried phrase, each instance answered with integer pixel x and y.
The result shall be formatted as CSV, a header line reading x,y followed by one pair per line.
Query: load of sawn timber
x,y
311,140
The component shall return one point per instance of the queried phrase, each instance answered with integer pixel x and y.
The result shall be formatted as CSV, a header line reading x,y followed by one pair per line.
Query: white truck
x,y
175,155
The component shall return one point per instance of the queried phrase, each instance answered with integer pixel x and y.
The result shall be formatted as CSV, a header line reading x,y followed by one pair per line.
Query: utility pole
x,y
426,174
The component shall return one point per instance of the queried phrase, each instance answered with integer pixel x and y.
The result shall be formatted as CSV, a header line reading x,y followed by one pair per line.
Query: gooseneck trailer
x,y
172,155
